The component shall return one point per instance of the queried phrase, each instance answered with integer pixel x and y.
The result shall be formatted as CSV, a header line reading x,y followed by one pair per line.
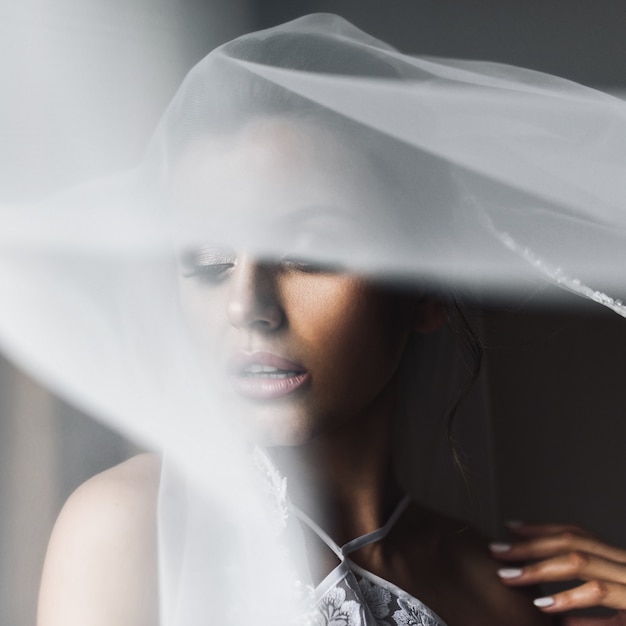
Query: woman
x,y
285,314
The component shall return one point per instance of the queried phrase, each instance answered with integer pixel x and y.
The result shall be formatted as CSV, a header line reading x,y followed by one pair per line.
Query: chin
x,y
273,429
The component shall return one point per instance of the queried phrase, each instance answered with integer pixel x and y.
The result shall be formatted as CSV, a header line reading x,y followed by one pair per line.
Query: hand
x,y
564,552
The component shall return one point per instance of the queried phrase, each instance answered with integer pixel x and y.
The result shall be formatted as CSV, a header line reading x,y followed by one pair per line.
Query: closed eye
x,y
209,264
308,266
209,272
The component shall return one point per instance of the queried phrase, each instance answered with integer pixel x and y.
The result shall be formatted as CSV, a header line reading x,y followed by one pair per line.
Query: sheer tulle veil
x,y
445,176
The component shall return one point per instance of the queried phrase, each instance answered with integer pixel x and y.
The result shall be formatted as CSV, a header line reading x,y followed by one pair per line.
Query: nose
x,y
254,300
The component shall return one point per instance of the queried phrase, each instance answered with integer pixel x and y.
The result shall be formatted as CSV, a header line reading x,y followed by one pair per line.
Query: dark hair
x,y
472,353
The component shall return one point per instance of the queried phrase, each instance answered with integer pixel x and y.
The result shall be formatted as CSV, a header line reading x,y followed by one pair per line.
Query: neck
x,y
345,479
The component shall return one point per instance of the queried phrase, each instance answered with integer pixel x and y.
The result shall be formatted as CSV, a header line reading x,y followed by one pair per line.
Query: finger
x,y
525,529
555,545
592,593
575,565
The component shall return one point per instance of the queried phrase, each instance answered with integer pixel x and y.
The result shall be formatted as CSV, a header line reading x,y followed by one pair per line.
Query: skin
x,y
566,552
100,566
331,438
322,321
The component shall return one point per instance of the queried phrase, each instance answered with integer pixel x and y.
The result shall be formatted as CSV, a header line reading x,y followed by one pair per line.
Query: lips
x,y
262,375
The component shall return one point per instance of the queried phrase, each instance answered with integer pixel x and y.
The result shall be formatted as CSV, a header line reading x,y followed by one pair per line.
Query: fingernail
x,y
509,572
500,547
513,523
542,603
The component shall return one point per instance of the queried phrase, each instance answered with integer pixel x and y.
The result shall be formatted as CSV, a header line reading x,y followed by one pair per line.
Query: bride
x,y
322,230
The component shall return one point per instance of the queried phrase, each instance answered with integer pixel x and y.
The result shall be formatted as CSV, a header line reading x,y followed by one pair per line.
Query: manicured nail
x,y
542,603
509,572
513,523
500,547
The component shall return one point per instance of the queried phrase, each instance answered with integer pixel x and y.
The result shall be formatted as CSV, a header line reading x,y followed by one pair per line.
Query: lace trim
x,y
358,601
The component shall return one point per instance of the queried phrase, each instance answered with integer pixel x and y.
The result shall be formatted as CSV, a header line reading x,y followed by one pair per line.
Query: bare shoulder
x,y
120,500
100,565
136,479
462,576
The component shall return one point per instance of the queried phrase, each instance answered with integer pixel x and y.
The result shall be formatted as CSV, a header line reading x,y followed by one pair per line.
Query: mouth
x,y
263,375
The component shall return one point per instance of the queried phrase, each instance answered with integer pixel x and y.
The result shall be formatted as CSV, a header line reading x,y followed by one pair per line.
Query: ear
x,y
429,315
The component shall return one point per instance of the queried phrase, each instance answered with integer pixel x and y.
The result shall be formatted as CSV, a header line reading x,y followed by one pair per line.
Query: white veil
x,y
469,178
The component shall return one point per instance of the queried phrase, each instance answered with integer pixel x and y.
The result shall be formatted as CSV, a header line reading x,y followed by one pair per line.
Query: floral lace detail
x,y
340,607
389,609
355,597
274,487
377,599
413,614
366,603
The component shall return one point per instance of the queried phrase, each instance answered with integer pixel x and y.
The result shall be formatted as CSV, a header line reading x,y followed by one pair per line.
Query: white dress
x,y
352,596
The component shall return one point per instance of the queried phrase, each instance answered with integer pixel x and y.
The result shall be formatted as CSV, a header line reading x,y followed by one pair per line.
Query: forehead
x,y
274,171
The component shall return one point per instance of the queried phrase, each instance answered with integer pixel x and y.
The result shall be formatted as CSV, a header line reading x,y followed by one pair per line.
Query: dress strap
x,y
358,542
318,530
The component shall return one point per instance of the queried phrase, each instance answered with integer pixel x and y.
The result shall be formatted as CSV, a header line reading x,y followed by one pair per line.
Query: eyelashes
x,y
208,264
308,266
213,265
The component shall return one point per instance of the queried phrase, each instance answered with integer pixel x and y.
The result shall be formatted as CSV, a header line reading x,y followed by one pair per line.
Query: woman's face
x,y
304,348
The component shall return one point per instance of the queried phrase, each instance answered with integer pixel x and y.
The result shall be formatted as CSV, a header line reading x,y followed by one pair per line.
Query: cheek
x,y
351,330
323,307
203,313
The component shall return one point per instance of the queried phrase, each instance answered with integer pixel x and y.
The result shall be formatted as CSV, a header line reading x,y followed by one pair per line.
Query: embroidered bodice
x,y
352,596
